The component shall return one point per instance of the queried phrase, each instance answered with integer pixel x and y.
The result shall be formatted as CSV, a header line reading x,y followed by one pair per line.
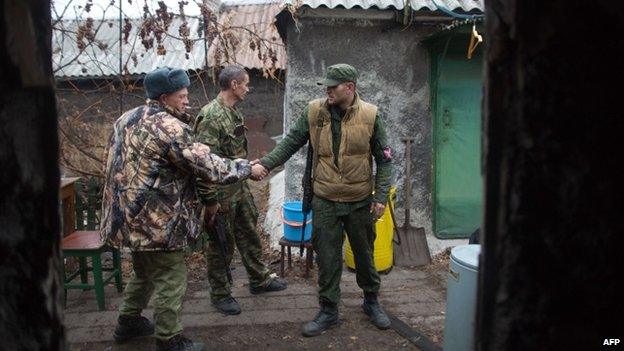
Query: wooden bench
x,y
85,243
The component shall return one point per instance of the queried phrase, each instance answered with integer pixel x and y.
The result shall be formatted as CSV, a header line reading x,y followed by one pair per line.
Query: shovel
x,y
410,246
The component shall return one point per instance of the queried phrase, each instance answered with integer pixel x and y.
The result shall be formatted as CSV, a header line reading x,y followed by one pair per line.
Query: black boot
x,y
130,327
326,318
228,306
179,343
371,307
274,285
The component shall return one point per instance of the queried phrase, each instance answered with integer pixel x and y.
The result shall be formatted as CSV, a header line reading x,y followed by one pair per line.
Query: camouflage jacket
x,y
222,128
149,199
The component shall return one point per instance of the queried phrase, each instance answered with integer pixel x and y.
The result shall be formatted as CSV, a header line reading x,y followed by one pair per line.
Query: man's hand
x,y
377,209
210,212
257,170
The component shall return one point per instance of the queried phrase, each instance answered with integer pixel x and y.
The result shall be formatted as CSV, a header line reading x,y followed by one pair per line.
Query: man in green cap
x,y
346,133
220,125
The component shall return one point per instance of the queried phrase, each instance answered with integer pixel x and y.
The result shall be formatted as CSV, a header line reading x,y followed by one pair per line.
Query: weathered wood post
x,y
553,126
30,286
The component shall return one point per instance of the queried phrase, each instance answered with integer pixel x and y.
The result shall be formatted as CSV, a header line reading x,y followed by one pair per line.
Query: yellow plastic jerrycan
x,y
383,242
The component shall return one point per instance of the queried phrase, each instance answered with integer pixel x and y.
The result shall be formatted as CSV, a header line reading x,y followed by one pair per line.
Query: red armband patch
x,y
387,152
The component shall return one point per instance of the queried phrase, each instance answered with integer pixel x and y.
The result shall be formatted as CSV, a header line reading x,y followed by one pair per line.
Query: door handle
x,y
446,117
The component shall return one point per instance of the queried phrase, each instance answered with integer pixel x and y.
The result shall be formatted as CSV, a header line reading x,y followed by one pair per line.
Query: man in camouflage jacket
x,y
149,204
221,126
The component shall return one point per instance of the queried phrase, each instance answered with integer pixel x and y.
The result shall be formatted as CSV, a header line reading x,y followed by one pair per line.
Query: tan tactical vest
x,y
352,179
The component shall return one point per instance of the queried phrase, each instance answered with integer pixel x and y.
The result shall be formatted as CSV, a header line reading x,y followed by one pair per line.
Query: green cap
x,y
338,74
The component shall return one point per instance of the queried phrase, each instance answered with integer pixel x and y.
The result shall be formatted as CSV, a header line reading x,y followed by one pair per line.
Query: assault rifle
x,y
219,223
306,182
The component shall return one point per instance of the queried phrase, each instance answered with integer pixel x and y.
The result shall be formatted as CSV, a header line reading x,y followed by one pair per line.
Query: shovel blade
x,y
413,249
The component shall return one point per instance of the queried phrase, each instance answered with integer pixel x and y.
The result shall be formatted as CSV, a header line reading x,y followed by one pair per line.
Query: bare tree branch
x,y
88,108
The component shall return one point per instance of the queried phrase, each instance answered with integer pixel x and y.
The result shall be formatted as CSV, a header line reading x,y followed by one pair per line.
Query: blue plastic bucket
x,y
293,220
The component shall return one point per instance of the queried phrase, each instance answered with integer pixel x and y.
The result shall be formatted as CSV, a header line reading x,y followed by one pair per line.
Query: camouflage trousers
x,y
329,223
162,273
241,216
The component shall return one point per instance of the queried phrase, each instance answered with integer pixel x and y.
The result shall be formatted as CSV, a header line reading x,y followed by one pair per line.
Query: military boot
x,y
130,327
227,305
371,307
179,343
325,319
274,285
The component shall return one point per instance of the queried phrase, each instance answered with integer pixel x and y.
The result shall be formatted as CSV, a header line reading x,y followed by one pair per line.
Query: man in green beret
x,y
346,133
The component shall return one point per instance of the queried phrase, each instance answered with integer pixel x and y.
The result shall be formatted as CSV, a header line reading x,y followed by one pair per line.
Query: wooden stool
x,y
284,243
84,244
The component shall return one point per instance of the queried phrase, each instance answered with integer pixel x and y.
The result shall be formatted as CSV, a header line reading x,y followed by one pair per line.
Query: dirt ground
x,y
353,333
281,336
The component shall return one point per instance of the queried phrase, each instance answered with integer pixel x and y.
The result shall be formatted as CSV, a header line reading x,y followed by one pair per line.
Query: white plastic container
x,y
461,298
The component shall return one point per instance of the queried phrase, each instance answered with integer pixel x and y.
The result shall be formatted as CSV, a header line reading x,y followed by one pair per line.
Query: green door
x,y
456,102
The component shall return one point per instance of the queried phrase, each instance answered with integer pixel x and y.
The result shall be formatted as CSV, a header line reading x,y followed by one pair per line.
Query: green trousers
x,y
241,216
330,221
162,273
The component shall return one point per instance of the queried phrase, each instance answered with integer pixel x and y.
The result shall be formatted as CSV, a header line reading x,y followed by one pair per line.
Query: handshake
x,y
258,171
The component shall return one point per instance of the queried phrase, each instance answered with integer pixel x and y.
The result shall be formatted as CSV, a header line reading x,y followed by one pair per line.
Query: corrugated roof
x,y
256,16
102,57
464,5
250,2
259,19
